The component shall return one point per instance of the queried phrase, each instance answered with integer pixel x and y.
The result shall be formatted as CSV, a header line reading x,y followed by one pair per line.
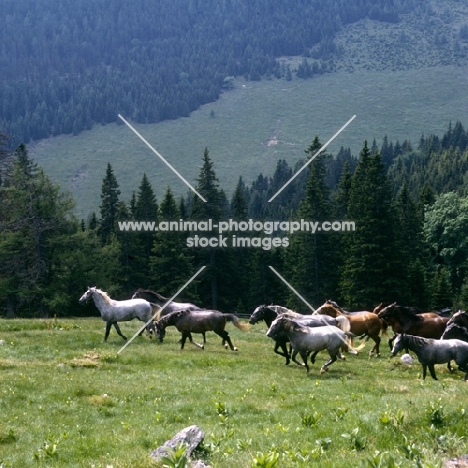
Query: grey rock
x,y
191,436
461,462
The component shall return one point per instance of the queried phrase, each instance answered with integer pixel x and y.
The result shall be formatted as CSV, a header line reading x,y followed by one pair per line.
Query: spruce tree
x,y
370,273
170,264
109,205
208,188
309,256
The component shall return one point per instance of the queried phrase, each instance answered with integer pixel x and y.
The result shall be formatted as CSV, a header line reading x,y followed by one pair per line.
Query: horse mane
x,y
105,296
173,316
161,298
290,314
418,341
408,312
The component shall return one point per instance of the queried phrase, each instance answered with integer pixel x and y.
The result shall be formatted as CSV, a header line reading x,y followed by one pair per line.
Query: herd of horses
x,y
435,337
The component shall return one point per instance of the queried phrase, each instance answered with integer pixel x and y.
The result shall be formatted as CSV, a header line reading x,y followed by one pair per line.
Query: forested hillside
x,y
409,245
67,65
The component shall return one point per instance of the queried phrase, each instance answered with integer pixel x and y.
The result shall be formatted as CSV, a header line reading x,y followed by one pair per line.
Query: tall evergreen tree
x,y
369,274
171,260
309,256
208,188
110,193
35,216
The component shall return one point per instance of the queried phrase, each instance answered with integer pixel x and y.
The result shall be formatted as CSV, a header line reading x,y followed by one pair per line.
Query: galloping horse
x,y
160,301
405,320
269,313
306,339
431,351
199,321
362,323
119,311
457,327
164,304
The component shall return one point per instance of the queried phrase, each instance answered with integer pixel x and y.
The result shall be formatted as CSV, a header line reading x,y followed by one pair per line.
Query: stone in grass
x,y
191,436
461,462
406,359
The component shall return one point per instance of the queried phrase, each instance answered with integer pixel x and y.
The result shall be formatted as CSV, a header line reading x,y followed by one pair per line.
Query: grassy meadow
x,y
69,400
254,125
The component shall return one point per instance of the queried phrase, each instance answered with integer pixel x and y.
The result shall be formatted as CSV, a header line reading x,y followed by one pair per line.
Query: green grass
x,y
402,104
68,399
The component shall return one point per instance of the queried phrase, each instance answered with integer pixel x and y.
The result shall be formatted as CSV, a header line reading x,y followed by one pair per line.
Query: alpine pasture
x,y
68,399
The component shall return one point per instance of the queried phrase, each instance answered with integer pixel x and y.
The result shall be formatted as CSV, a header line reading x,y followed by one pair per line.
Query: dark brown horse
x,y
199,321
363,323
404,320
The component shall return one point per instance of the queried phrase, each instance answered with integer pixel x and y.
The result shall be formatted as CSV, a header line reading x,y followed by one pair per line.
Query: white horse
x,y
120,311
306,339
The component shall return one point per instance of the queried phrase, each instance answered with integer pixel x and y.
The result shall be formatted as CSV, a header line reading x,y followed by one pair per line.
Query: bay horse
x,y
113,311
305,340
404,320
199,321
363,323
269,313
433,351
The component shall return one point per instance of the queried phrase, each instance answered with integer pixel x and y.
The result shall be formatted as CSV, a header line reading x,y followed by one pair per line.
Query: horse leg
x,y
188,335
376,346
108,328
293,358
118,330
312,358
282,345
332,359
450,368
304,358
226,338
432,371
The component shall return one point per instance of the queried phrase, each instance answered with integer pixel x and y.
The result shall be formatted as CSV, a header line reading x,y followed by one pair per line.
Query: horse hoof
x,y
323,370
235,349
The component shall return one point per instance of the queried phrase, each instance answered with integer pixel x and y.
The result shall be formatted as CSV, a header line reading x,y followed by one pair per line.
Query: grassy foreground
x,y
68,399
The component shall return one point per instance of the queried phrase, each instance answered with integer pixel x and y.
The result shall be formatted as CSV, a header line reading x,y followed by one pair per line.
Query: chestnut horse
x,y
404,320
363,323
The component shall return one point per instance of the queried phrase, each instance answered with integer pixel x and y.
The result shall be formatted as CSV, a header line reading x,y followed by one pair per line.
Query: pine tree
x,y
370,275
170,263
109,205
309,255
35,218
208,188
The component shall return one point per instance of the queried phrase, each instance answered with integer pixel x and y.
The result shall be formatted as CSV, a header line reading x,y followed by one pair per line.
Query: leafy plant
x,y
176,458
357,442
268,460
435,413
311,419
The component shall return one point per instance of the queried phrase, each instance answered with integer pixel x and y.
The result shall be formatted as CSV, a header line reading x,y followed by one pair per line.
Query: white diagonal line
x,y
312,158
161,157
162,308
314,312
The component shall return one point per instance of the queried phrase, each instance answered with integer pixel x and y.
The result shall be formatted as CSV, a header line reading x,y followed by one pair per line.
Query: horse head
x,y
257,314
87,295
388,311
137,293
398,344
160,330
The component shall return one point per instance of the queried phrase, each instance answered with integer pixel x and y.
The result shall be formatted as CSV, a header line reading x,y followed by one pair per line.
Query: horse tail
x,y
236,322
351,348
343,323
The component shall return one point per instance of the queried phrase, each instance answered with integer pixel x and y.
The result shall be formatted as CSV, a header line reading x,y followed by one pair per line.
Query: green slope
x,y
257,123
